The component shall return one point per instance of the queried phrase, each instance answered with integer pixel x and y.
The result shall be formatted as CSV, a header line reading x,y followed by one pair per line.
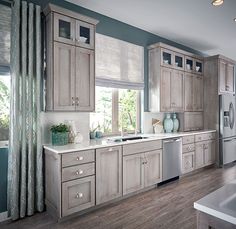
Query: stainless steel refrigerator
x,y
227,132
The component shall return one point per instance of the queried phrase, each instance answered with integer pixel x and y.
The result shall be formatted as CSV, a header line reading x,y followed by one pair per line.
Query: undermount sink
x,y
230,202
124,139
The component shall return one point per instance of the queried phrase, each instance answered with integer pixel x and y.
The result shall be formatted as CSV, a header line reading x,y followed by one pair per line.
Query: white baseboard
x,y
4,216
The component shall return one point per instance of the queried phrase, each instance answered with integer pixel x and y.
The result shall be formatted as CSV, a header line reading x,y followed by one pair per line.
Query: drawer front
x,y
78,195
204,137
78,171
188,139
141,147
188,148
77,158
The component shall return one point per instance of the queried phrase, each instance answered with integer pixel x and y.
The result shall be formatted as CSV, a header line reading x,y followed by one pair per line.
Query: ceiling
x,y
194,23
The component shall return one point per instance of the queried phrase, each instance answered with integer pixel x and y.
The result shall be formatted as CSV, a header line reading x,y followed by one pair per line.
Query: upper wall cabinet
x,y
224,69
70,59
175,80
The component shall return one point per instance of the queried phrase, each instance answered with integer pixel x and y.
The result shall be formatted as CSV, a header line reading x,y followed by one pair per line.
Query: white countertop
x,y
220,204
103,142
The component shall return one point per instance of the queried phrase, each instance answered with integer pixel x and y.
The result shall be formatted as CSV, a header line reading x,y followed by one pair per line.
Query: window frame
x,y
115,114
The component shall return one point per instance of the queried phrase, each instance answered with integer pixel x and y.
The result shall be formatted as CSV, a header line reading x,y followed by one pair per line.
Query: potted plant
x,y
92,132
60,134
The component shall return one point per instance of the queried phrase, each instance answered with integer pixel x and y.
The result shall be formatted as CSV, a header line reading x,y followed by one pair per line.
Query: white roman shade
x,y
119,64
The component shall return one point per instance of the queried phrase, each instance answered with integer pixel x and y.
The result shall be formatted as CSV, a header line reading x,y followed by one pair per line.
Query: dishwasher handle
x,y
172,140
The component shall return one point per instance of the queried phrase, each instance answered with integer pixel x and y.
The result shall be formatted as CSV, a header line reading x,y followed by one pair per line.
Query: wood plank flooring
x,y
167,207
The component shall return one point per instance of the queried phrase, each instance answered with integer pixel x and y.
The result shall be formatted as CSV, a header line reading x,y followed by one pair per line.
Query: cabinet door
x,y
85,80
167,58
230,78
197,93
133,173
187,162
199,155
85,34
64,77
188,92
64,29
209,152
153,167
198,66
78,195
108,174
222,76
177,90
166,75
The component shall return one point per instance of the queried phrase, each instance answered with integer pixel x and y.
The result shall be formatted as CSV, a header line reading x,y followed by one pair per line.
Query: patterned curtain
x,y
25,175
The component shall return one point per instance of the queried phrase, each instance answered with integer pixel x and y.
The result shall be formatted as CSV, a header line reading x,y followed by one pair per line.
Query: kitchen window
x,y
119,86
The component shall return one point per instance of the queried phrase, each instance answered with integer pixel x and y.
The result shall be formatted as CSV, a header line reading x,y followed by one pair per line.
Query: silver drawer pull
x,y
79,172
79,195
80,158
189,148
110,149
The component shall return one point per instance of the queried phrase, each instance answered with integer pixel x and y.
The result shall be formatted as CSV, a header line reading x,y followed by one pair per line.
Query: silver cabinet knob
x,y
79,195
110,149
80,158
79,172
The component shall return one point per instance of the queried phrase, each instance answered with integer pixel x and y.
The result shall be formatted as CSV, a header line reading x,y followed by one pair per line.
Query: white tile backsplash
x,y
50,118
147,121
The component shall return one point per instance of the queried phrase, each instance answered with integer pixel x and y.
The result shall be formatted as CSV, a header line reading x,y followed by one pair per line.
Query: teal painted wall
x,y
3,179
114,28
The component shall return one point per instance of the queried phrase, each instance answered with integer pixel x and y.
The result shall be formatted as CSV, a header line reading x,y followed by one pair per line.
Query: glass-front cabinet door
x,y
189,64
179,61
85,34
167,57
198,66
64,29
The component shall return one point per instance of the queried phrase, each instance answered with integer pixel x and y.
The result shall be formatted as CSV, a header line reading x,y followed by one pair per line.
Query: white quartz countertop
x,y
220,204
106,142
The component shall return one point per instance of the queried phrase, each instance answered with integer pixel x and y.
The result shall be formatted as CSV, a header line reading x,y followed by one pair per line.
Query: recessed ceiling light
x,y
235,19
217,2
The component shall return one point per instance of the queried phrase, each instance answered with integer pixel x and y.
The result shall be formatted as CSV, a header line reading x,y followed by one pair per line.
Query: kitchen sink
x,y
124,139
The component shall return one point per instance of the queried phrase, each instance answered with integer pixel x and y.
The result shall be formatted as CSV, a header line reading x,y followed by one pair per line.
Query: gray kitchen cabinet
x,y
177,91
167,69
153,167
64,77
188,92
226,76
193,93
108,174
133,173
85,80
205,153
172,82
198,93
70,60
221,69
187,162
199,155
141,170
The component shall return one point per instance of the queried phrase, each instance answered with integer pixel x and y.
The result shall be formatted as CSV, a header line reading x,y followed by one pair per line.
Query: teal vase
x,y
168,124
175,123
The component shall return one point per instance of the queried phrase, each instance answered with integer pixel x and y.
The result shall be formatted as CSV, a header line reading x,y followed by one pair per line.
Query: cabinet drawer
x,y
79,171
188,148
78,195
204,137
77,158
188,139
141,147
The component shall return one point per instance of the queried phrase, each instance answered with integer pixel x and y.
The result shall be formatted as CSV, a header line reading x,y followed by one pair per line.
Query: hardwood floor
x,y
167,207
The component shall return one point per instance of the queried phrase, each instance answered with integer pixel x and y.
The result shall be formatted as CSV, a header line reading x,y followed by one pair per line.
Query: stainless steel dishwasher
x,y
172,158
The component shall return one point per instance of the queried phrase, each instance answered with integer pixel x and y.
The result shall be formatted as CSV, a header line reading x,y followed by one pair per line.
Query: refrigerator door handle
x,y
231,115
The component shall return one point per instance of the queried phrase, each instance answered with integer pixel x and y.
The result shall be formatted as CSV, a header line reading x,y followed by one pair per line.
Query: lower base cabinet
x,y
78,195
187,162
205,153
108,174
141,170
